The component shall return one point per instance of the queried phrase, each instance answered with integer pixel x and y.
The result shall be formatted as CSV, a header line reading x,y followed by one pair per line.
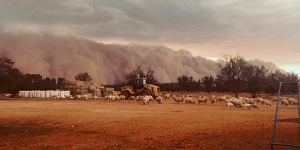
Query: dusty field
x,y
49,124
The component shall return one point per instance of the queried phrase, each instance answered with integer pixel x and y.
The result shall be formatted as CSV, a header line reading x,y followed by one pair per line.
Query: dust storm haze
x,y
65,56
61,56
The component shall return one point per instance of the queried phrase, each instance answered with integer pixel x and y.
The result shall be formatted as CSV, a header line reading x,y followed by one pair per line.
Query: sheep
x,y
221,98
202,99
254,106
284,102
159,99
77,97
251,101
117,97
146,99
259,99
131,98
235,101
167,96
177,99
213,99
188,99
82,97
139,98
266,102
151,98
292,101
111,98
122,97
247,106
229,105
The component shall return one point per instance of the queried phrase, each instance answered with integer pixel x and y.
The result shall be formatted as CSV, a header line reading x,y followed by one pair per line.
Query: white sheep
x,y
284,102
167,96
189,100
292,101
254,106
159,99
131,98
235,101
202,99
222,99
266,102
146,99
229,105
111,98
122,97
177,99
213,99
247,106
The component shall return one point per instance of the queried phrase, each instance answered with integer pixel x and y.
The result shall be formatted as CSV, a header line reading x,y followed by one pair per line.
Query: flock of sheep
x,y
229,101
145,99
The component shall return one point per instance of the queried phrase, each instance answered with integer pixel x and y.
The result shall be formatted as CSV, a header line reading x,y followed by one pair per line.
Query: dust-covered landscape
x,y
97,124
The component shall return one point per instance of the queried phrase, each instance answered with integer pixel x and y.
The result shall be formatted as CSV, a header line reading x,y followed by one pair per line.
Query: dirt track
x,y
36,124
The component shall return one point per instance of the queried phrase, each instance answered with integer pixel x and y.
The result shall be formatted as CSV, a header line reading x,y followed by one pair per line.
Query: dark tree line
x,y
237,75
12,80
140,73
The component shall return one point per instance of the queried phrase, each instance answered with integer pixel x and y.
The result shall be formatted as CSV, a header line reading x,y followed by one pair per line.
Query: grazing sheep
x,y
189,100
117,97
229,105
81,97
247,106
122,97
111,98
167,96
222,99
131,98
77,97
177,99
266,102
138,98
236,102
292,101
202,99
159,99
151,98
213,99
284,102
146,99
254,106
251,101
261,100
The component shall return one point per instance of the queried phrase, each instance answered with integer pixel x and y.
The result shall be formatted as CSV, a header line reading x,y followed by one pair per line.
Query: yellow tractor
x,y
140,88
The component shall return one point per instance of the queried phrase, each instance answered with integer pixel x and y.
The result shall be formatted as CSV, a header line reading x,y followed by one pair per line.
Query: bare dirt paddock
x,y
54,124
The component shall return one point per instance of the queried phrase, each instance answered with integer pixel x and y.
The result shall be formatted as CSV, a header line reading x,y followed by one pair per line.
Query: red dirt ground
x,y
54,124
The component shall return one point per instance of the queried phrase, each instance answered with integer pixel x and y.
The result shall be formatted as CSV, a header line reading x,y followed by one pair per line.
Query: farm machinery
x,y
140,88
